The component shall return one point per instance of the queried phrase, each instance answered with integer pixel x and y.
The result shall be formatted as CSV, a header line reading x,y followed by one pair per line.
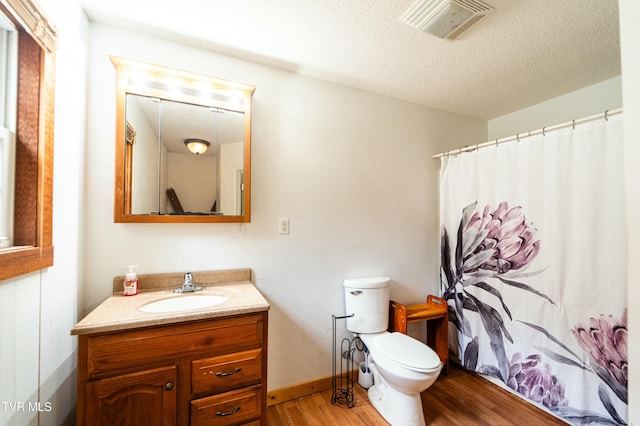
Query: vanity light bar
x,y
139,76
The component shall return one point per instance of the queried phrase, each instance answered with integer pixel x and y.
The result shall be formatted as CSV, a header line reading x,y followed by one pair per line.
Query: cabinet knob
x,y
168,386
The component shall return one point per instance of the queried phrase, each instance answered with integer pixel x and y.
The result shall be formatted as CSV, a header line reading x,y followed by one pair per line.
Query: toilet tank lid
x,y
367,282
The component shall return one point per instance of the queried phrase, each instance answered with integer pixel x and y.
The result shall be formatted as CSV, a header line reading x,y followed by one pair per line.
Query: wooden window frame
x,y
32,248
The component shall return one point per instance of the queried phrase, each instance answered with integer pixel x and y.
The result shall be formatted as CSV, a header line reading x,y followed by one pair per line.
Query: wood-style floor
x,y
458,398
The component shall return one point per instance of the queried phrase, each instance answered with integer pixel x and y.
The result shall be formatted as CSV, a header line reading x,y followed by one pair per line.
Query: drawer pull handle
x,y
168,386
228,373
227,413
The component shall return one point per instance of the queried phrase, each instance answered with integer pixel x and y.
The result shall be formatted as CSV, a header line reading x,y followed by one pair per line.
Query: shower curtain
x,y
533,267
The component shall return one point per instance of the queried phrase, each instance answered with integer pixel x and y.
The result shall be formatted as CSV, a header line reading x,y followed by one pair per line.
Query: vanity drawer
x,y
230,408
119,352
226,372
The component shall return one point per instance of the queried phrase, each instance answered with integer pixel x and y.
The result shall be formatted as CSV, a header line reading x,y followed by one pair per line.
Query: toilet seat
x,y
407,352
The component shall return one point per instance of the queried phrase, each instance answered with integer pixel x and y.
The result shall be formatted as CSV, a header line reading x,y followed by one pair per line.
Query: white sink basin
x,y
184,303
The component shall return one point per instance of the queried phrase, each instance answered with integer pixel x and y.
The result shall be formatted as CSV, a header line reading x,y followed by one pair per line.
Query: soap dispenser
x,y
131,282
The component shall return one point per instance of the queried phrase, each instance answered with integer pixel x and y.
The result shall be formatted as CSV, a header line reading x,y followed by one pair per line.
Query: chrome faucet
x,y
187,285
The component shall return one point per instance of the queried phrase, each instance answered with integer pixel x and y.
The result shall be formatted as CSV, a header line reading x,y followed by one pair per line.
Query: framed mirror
x,y
183,146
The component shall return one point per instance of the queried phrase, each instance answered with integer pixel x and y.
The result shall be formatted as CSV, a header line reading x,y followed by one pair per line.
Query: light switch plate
x,y
284,226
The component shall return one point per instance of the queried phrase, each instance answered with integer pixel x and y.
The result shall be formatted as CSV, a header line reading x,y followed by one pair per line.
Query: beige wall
x,y
591,100
187,175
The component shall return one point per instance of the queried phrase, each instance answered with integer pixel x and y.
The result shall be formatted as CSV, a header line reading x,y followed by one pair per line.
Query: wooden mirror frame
x,y
32,249
139,78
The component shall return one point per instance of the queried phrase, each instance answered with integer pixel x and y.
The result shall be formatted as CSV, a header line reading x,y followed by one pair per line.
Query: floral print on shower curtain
x,y
533,268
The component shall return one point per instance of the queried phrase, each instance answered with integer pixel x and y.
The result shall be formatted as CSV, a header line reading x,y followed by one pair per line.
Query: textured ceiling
x,y
526,52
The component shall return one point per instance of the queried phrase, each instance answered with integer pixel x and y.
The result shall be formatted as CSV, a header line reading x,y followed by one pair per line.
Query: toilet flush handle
x,y
356,292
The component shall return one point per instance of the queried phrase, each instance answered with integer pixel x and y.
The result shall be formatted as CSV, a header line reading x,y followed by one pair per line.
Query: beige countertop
x,y
120,312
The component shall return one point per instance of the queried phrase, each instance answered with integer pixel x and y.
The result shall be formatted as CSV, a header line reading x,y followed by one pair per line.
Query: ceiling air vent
x,y
446,19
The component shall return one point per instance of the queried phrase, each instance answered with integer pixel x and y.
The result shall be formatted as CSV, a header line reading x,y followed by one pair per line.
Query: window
x,y
31,139
7,161
8,89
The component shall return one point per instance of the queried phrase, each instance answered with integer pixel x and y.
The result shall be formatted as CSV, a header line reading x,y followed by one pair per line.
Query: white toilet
x,y
402,366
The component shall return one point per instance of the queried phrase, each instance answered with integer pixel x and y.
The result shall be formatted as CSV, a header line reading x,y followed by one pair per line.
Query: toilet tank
x,y
368,300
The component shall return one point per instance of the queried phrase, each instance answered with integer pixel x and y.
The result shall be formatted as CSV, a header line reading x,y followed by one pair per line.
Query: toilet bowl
x,y
402,366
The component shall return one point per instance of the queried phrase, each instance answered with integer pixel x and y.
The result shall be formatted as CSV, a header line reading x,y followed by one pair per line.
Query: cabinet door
x,y
144,398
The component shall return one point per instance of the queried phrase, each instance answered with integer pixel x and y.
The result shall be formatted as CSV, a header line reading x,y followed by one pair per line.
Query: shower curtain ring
x,y
606,113
543,133
518,137
574,125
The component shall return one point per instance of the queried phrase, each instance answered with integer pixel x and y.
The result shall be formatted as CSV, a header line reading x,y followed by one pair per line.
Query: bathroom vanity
x,y
191,366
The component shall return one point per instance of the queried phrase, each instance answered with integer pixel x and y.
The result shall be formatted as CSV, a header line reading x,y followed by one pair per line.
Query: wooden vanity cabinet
x,y
206,372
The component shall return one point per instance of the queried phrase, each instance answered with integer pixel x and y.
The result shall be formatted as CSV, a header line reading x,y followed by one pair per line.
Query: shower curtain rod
x,y
517,136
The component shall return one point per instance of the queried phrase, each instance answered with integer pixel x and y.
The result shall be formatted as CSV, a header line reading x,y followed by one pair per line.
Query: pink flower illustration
x,y
498,241
605,340
535,381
